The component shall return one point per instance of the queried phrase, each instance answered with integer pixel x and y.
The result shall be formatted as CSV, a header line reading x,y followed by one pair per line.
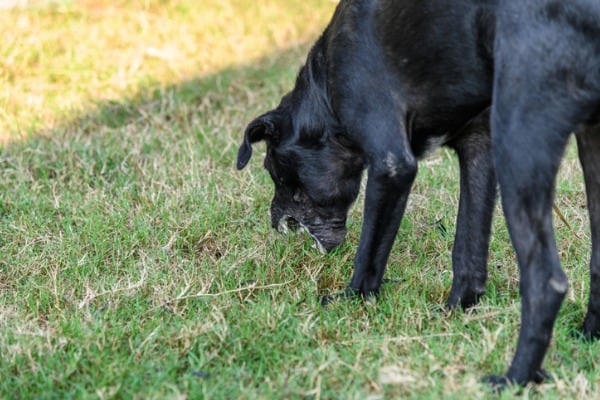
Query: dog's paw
x,y
497,383
348,294
541,376
500,383
584,334
463,298
590,330
351,293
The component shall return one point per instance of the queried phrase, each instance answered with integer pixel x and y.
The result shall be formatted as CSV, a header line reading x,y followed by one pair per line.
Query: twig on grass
x,y
250,287
564,220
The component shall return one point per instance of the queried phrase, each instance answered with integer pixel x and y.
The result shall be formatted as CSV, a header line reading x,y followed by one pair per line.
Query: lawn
x,y
136,262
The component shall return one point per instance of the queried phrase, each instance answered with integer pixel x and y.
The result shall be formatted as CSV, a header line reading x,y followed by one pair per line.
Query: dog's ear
x,y
263,127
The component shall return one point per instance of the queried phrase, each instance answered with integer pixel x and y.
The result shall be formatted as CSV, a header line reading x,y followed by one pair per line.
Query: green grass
x,y
135,262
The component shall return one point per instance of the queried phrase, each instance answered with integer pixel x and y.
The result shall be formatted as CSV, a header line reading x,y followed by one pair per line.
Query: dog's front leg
x,y
385,201
391,172
473,223
588,144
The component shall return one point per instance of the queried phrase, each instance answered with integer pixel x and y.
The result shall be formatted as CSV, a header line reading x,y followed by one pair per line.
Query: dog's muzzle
x,y
288,224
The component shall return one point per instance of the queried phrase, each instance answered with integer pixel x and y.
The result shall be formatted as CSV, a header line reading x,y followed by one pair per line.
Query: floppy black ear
x,y
257,130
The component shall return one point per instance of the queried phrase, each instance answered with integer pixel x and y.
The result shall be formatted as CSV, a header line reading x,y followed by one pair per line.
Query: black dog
x,y
388,80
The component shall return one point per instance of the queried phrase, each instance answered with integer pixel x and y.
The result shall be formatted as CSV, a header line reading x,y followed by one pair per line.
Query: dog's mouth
x,y
288,224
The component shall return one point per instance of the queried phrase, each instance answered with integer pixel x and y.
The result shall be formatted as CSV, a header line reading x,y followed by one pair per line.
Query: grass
x,y
135,262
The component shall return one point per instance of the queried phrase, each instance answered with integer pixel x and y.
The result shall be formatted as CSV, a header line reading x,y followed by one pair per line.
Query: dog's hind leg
x,y
474,220
530,130
545,87
527,153
588,144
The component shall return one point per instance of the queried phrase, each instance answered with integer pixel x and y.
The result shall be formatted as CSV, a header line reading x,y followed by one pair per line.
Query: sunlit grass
x,y
58,58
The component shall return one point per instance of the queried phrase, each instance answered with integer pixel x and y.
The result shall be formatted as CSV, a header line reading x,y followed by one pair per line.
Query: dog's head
x,y
315,169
